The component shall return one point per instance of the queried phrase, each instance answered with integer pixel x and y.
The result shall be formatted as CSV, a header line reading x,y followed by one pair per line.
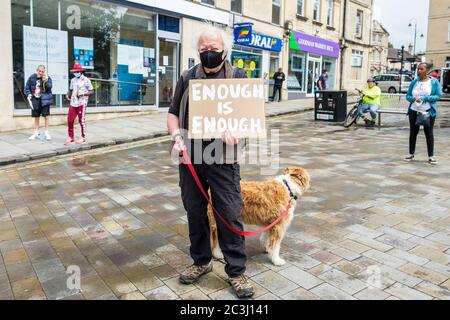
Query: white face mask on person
x,y
77,74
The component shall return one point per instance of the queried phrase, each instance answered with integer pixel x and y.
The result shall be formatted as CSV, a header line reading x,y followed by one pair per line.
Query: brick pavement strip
x,y
384,258
275,283
328,292
343,281
117,214
433,290
403,292
300,277
423,273
371,293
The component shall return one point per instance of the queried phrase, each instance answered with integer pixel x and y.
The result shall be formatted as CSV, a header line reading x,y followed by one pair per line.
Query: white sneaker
x,y
47,136
34,136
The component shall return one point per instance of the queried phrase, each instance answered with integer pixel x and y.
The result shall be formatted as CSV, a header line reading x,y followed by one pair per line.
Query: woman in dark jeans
x,y
423,93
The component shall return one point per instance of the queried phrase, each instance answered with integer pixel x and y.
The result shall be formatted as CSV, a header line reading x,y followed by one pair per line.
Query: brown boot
x,y
193,273
241,286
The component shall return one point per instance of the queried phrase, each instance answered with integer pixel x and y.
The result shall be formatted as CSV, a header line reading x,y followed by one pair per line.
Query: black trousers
x,y
414,131
223,180
275,89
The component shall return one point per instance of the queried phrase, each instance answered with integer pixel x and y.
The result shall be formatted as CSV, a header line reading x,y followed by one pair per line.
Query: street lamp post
x,y
415,34
401,69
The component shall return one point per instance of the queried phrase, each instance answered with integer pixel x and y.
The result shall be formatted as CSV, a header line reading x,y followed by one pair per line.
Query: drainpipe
x,y
343,47
370,37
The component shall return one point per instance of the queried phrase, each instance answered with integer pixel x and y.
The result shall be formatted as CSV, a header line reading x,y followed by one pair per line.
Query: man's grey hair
x,y
40,66
212,30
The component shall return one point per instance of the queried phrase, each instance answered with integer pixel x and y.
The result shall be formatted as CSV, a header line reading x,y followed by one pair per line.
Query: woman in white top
x,y
423,93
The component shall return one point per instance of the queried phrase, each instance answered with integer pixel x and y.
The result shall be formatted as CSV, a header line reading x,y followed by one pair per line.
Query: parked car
x,y
391,82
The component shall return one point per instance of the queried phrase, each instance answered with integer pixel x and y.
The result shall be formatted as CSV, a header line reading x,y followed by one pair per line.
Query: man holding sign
x,y
208,108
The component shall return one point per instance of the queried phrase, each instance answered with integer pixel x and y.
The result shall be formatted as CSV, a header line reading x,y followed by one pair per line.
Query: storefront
x,y
258,54
130,54
308,56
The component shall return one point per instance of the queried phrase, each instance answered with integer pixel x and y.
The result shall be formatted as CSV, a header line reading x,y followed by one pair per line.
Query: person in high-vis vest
x,y
371,101
221,177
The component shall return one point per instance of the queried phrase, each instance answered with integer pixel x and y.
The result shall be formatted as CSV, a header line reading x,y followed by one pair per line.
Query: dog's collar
x,y
291,194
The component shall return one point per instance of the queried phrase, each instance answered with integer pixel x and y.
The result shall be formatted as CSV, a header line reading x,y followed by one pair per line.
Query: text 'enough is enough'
x,y
214,92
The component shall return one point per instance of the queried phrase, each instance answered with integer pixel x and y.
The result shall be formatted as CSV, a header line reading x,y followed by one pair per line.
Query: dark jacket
x,y
323,81
46,89
197,72
279,77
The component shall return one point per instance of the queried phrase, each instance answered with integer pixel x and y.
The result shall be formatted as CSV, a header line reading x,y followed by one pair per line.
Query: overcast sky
x,y
395,15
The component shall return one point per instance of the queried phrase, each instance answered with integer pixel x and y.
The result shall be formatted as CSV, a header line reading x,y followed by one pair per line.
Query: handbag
x,y
423,119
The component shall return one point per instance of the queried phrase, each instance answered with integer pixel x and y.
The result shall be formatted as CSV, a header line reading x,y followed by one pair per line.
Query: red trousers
x,y
75,112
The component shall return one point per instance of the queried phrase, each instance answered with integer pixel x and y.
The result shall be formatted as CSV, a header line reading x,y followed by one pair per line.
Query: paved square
x,y
370,227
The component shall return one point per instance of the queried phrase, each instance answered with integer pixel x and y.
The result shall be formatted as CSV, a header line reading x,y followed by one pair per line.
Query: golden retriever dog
x,y
264,201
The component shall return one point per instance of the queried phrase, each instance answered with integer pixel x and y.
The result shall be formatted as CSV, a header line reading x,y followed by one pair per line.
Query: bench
x,y
392,103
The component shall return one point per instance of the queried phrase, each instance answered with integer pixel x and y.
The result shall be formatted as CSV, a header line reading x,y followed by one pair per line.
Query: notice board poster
x,y
47,47
84,51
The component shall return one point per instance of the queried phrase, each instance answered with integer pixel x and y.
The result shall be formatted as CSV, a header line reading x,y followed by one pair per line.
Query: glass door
x,y
274,65
313,72
168,71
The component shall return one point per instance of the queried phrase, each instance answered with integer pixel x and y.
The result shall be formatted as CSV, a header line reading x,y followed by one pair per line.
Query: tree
x,y
390,45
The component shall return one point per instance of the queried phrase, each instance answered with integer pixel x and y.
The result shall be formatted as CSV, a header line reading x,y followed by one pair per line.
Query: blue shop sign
x,y
243,33
259,41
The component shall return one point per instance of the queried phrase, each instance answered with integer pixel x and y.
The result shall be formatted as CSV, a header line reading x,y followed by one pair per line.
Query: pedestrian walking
x,y
80,90
323,80
423,93
38,90
279,78
222,179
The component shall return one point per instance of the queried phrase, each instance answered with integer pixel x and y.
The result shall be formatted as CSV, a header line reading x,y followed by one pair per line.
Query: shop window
x,y
45,14
296,72
123,41
301,7
276,9
95,32
170,24
250,62
316,10
236,6
359,24
21,14
329,64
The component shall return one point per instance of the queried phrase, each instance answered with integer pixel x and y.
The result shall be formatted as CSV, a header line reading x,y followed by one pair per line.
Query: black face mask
x,y
211,59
